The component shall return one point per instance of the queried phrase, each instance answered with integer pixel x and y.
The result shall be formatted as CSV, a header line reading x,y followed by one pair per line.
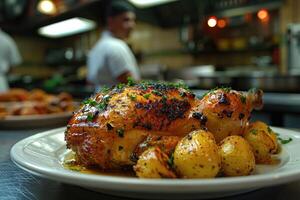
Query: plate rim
x,y
18,118
156,185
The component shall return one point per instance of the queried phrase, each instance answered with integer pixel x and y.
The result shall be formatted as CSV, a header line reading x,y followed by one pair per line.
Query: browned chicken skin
x,y
227,112
115,126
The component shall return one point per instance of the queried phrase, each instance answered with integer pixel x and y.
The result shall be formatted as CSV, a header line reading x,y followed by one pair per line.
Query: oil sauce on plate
x,y
69,162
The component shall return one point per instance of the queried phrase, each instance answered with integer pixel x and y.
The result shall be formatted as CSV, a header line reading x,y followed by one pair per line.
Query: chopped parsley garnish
x,y
225,89
90,102
158,93
182,94
180,84
120,86
102,106
105,90
269,129
132,96
171,160
206,93
253,131
130,81
164,97
146,96
120,132
285,141
143,86
90,117
243,99
104,103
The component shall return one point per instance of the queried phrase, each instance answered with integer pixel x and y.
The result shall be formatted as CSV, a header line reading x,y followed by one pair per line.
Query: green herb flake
x,y
90,102
120,86
104,103
243,99
105,90
158,93
120,132
225,89
285,141
146,96
121,148
132,96
102,106
90,117
180,84
253,131
130,81
182,94
206,93
171,160
269,130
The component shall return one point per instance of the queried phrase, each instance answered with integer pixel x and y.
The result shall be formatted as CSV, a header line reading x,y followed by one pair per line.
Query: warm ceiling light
x,y
46,7
148,3
221,23
67,27
263,14
212,21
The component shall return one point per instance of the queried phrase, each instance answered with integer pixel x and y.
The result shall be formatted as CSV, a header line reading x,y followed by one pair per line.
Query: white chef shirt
x,y
108,59
9,56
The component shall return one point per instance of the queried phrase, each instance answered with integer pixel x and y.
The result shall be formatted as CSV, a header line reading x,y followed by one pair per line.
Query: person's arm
x,y
93,63
14,55
120,64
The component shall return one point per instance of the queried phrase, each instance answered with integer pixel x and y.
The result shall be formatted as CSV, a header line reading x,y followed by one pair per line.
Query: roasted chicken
x,y
115,126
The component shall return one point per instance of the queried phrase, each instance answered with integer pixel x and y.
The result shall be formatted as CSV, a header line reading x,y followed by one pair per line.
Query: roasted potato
x,y
263,141
237,156
196,156
153,163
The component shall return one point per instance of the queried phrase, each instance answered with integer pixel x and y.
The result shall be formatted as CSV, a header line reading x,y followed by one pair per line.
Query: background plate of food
x,y
20,108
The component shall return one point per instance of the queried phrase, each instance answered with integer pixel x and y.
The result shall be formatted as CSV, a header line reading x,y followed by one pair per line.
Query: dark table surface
x,y
18,184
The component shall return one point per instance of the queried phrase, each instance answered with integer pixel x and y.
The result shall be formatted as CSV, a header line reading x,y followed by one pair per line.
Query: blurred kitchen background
x,y
206,43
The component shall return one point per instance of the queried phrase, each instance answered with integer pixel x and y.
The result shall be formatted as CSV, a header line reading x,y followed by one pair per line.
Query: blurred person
x,y
9,57
111,61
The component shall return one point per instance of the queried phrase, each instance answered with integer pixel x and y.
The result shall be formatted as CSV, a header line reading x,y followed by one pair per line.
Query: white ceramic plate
x,y
36,121
42,154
